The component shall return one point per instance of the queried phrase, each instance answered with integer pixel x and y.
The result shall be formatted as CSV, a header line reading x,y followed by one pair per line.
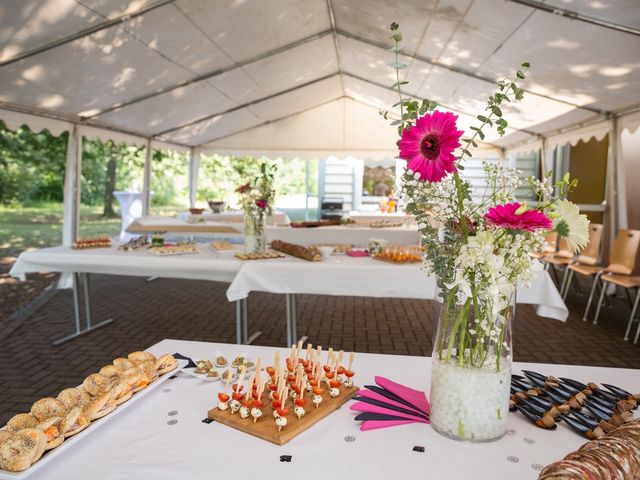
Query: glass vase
x,y
471,366
254,232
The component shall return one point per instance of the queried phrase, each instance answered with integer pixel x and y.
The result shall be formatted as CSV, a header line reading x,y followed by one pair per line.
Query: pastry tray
x,y
68,443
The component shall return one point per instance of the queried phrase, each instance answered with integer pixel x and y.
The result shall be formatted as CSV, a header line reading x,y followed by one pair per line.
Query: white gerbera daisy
x,y
569,223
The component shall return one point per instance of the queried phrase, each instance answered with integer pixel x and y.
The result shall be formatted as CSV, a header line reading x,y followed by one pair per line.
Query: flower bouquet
x,y
257,198
478,250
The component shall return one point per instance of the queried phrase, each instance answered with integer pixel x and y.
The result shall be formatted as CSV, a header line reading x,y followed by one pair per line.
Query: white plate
x,y
202,376
51,454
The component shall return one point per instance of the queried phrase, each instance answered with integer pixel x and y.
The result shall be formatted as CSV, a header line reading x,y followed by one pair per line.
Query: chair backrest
x,y
591,252
563,249
551,240
624,251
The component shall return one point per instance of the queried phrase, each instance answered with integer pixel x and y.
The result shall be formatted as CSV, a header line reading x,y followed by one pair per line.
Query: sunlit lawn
x,y
39,226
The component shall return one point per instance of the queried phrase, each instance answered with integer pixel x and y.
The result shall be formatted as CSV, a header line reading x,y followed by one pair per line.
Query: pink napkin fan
x,y
388,404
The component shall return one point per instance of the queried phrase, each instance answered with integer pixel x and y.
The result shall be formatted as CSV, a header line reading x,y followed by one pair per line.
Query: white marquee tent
x,y
307,77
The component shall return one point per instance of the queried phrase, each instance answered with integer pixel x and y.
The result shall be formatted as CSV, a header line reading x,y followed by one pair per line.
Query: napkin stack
x,y
388,404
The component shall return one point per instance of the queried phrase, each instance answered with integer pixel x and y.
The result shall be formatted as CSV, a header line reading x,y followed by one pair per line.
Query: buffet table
x,y
377,216
279,218
354,234
163,437
206,265
365,277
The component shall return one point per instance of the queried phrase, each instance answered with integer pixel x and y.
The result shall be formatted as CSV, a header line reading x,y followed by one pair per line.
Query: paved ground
x,y
145,313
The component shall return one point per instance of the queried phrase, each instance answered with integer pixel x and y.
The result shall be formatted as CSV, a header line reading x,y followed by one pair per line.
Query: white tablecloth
x,y
162,436
351,234
368,217
232,217
203,266
365,277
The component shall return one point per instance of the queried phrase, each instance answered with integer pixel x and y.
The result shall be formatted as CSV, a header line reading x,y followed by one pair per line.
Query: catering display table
x,y
347,276
207,265
279,218
163,437
345,234
376,216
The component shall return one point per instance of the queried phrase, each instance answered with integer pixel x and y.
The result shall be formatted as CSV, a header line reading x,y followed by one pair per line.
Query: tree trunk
x,y
110,183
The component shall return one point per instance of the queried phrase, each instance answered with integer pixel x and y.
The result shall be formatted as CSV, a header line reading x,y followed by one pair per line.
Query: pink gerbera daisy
x,y
429,144
506,216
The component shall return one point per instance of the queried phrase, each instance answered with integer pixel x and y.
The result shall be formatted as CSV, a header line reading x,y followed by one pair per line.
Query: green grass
x,y
39,226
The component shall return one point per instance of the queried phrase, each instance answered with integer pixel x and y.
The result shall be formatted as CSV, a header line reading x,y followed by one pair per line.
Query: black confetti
x,y
529,441
173,413
166,390
537,467
418,448
172,377
349,439
207,420
172,422
285,458
512,459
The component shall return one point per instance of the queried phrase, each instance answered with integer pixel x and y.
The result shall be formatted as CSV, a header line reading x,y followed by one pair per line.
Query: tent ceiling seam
x,y
84,32
461,71
213,73
497,49
332,22
446,45
572,15
248,104
267,122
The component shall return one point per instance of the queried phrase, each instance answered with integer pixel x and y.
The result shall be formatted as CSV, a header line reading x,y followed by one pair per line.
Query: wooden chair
x,y
562,257
627,283
621,262
589,256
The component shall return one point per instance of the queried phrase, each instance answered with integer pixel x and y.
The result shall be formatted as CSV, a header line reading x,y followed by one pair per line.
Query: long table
x,y
343,275
344,234
206,265
163,436
339,275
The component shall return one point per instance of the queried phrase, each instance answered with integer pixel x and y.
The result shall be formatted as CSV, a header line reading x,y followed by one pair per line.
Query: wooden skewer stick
x,y
329,355
299,344
243,370
226,387
308,351
340,357
352,357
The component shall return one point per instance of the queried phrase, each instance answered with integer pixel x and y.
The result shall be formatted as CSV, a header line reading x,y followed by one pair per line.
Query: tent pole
x,y
71,202
618,168
194,170
146,182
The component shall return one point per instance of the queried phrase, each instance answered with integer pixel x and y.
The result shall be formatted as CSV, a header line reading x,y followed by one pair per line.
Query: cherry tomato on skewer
x,y
248,403
283,411
341,370
318,390
237,396
276,404
300,401
335,383
349,373
236,388
223,397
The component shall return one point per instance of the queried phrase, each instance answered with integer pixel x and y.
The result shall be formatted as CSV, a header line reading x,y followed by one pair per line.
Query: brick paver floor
x,y
146,313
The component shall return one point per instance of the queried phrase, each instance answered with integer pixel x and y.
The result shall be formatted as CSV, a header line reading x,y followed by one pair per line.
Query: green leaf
x,y
466,152
482,118
397,84
526,65
496,111
396,122
520,75
399,66
480,134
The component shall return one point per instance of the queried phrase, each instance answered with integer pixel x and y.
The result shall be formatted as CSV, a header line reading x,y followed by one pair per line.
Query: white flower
x,y
569,223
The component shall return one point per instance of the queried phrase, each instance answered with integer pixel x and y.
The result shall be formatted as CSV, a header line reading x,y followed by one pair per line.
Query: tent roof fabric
x,y
309,75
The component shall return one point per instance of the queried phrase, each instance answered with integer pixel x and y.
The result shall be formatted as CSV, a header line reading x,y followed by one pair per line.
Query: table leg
x,y
84,279
239,322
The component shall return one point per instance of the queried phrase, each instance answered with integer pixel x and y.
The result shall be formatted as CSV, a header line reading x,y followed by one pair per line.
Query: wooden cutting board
x,y
266,428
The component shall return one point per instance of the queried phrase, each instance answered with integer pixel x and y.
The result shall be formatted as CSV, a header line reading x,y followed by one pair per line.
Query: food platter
x,y
56,452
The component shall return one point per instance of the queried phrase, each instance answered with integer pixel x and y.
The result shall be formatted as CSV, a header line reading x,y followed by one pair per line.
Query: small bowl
x,y
216,206
326,251
196,211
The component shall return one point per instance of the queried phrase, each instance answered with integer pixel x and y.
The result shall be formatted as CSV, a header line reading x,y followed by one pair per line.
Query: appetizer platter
x,y
589,409
259,255
399,254
91,242
143,241
220,369
338,248
30,440
385,224
222,245
182,248
315,224
310,254
288,397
